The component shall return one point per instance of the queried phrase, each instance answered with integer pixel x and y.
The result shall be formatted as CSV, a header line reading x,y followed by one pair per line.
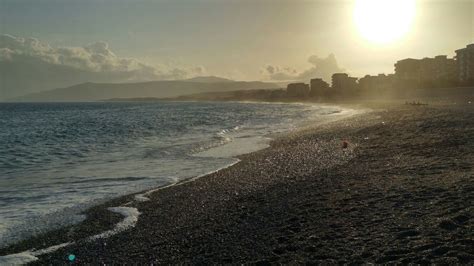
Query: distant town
x,y
425,77
437,72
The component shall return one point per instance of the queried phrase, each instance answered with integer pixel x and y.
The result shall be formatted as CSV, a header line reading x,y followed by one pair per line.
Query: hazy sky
x,y
236,39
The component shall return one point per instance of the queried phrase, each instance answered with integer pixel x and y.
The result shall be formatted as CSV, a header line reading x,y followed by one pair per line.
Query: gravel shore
x,y
402,191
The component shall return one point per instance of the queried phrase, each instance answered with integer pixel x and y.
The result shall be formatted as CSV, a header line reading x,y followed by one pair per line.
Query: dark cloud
x,y
321,68
28,65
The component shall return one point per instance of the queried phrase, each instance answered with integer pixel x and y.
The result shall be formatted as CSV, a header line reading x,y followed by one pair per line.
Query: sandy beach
x,y
402,191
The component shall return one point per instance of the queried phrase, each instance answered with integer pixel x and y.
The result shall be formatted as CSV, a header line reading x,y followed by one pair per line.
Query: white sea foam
x,y
141,198
238,146
131,217
17,259
29,255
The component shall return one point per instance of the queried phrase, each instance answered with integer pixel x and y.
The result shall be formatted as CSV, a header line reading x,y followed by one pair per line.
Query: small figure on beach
x,y
345,144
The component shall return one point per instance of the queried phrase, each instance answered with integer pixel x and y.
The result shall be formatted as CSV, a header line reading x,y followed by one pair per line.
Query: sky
x,y
271,40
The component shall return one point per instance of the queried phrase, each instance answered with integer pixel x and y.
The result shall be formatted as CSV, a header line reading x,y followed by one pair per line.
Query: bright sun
x,y
384,21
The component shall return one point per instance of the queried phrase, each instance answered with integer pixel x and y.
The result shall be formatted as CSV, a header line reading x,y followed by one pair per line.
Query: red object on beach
x,y
345,144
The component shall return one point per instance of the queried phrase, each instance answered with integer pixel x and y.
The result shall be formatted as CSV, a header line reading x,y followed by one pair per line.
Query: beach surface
x,y
401,190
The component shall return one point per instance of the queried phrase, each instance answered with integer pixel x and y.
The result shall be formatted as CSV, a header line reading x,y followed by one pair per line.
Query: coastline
x,y
27,249
239,132
263,208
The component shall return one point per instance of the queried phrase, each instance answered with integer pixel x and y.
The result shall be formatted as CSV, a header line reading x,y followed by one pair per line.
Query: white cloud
x,y
29,65
321,68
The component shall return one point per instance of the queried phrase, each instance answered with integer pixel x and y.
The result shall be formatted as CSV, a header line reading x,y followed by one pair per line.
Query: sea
x,y
58,159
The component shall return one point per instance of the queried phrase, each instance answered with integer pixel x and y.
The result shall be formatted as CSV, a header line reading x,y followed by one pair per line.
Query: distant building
x,y
319,88
437,69
407,69
297,90
377,83
426,72
341,82
465,63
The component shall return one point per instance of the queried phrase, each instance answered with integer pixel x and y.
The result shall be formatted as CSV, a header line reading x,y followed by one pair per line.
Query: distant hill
x,y
209,79
158,89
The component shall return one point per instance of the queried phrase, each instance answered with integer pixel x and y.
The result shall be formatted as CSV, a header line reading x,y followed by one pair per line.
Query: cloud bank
x,y
29,65
320,68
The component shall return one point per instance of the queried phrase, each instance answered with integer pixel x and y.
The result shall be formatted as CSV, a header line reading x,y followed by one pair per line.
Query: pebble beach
x,y
393,185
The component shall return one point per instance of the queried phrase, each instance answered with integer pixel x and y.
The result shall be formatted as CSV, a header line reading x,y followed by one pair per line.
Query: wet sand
x,y
402,191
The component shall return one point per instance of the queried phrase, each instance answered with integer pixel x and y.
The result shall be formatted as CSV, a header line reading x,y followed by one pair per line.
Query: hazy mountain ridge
x,y
159,89
209,79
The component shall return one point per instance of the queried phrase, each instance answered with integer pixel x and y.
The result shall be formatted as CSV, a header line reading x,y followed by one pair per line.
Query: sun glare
x,y
384,21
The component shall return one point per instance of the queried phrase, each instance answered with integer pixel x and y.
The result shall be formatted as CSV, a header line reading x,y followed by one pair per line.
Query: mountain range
x,y
158,89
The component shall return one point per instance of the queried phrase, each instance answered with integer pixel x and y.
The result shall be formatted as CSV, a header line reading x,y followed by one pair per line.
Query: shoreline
x,y
13,234
141,196
226,191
